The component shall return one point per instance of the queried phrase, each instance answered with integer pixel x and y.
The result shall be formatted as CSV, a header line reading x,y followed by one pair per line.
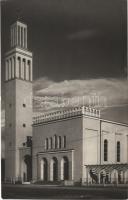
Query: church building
x,y
75,145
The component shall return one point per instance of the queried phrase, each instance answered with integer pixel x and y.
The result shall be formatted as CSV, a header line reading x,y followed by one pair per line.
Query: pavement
x,y
62,192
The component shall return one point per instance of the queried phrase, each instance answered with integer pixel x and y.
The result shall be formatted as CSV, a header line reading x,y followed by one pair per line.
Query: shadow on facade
x,y
28,174
2,169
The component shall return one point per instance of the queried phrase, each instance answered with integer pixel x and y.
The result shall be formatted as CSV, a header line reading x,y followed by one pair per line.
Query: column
x,y
71,170
110,177
31,71
6,72
51,170
12,62
27,70
87,175
42,169
62,169
126,176
72,163
18,66
21,169
59,169
11,37
114,176
89,178
22,68
23,35
38,168
99,177
117,176
127,147
10,69
123,176
26,36
17,35
20,36
58,142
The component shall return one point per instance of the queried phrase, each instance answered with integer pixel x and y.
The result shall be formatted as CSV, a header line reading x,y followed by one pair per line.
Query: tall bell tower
x,y
18,103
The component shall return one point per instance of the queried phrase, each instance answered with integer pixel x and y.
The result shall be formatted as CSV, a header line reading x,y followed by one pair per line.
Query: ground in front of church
x,y
62,192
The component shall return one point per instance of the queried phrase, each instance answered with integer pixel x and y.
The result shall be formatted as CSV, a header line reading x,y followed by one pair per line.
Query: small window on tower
x,y
10,125
10,105
24,105
64,142
10,144
24,144
24,125
28,62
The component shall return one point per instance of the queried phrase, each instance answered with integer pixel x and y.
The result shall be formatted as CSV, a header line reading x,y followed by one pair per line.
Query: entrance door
x,y
64,169
55,169
44,169
28,173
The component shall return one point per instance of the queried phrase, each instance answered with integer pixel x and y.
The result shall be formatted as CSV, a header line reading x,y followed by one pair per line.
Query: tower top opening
x,y
19,34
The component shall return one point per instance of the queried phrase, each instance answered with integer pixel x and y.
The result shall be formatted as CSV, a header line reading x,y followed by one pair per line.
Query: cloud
x,y
101,93
80,35
104,94
109,95
42,83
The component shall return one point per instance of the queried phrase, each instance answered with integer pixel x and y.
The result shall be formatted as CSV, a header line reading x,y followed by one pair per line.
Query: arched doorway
x,y
114,176
103,176
54,169
27,174
44,169
64,169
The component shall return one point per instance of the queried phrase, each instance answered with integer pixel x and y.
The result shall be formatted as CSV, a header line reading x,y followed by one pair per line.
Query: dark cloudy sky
x,y
79,47
71,39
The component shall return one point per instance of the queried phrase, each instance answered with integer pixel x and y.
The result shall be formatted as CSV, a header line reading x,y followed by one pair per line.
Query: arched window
x,y
54,169
105,150
59,142
64,168
46,143
25,37
29,69
19,66
64,141
18,35
50,143
118,151
14,66
21,36
55,141
24,68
